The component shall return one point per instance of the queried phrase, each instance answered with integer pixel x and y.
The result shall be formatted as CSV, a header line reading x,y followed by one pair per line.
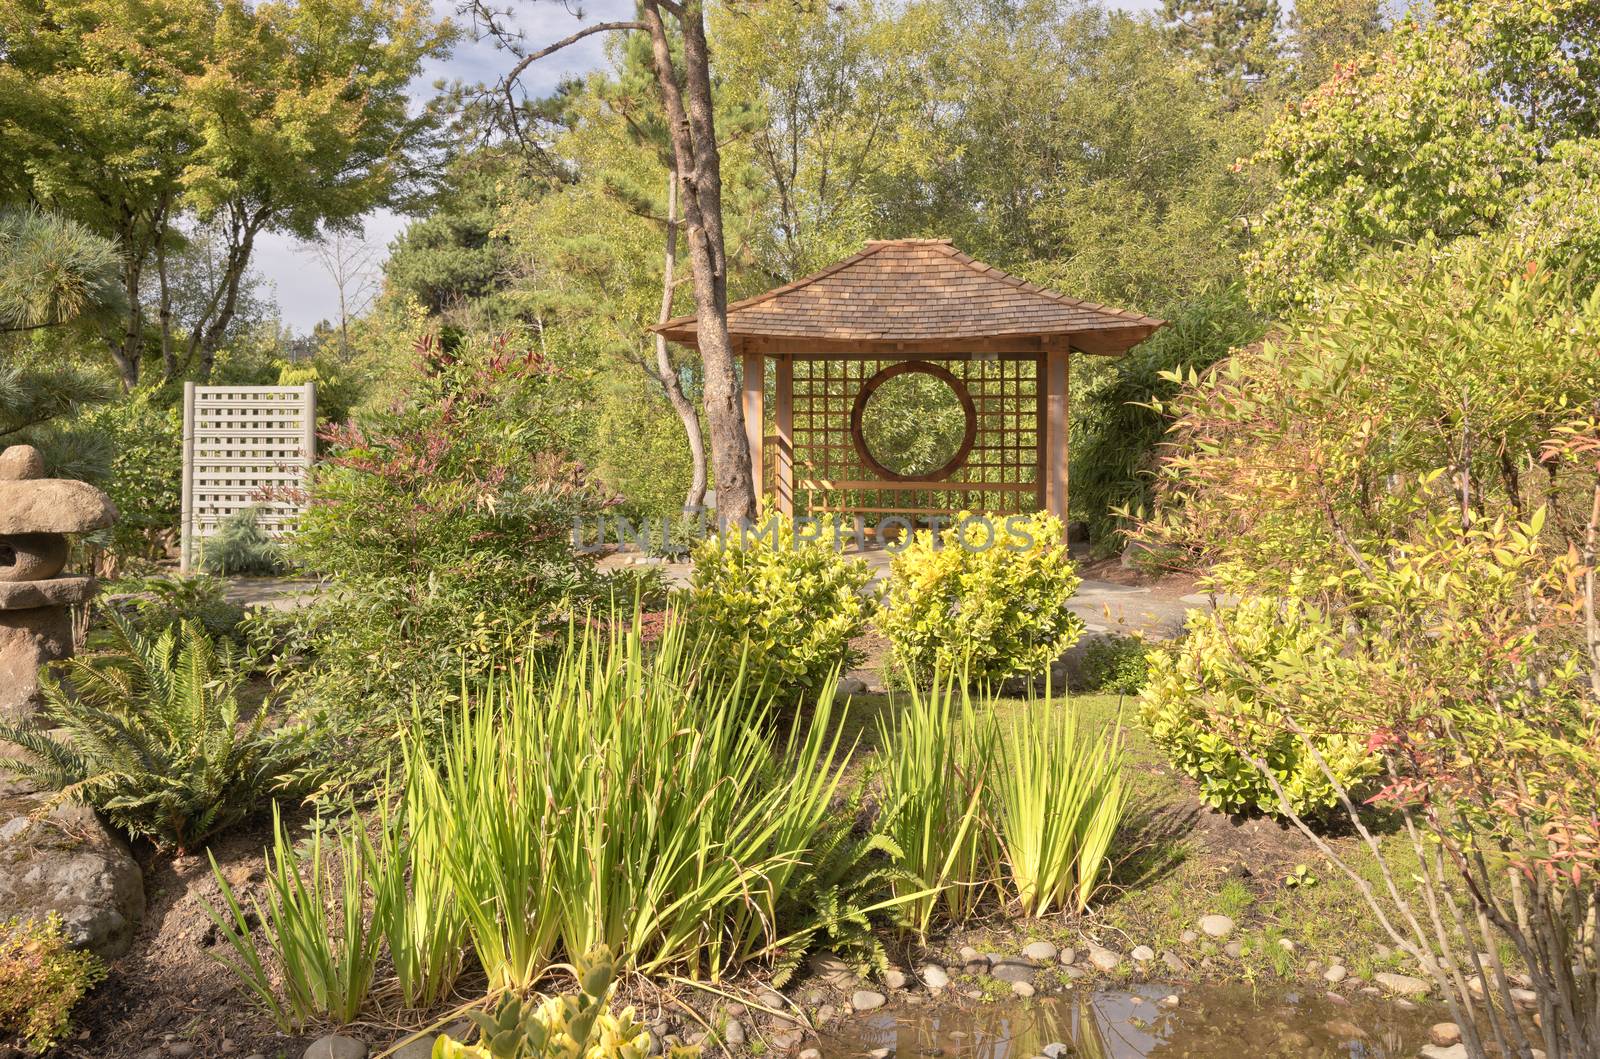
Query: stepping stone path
x,y
1216,926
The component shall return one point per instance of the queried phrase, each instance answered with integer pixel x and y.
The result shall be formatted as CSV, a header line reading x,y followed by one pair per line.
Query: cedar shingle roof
x,y
920,291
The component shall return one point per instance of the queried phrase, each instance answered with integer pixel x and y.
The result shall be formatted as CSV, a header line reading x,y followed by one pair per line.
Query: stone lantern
x,y
35,624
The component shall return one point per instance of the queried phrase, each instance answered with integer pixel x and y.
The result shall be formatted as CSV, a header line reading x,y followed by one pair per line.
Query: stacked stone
x,y
36,513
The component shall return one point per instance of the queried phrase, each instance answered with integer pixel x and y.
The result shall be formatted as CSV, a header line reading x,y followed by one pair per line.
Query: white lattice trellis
x,y
245,446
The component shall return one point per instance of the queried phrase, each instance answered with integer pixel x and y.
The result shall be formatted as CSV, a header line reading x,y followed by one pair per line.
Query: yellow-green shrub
x,y
576,1026
41,978
1201,708
990,605
787,604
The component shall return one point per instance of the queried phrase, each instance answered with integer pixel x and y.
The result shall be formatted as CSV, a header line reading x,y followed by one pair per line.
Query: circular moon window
x,y
913,421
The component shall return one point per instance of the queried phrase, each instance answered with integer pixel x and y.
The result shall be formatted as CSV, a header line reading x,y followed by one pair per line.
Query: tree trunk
x,y
125,348
169,356
212,326
664,369
694,149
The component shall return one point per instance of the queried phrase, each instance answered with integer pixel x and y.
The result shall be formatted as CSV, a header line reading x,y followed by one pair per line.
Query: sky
x,y
303,291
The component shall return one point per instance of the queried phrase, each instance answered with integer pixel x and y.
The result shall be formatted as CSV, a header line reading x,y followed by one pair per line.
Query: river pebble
x,y
1055,1050
1216,925
895,978
1335,974
1188,937
1042,951
1142,954
1401,984
1104,959
1022,989
1174,962
934,976
1433,1051
1444,1034
334,1046
1067,958
733,1032
1009,971
1234,949
866,1000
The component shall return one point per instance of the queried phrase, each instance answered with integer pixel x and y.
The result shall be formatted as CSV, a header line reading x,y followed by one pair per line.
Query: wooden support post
x,y
783,416
755,374
1057,417
186,527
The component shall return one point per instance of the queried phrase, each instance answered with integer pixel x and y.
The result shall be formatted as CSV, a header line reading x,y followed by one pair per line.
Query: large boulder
x,y
69,863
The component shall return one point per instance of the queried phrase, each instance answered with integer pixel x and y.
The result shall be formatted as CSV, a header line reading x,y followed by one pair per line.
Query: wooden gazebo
x,y
1003,346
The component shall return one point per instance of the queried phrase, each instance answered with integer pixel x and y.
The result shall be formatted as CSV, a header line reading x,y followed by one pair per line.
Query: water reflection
x,y
1209,1022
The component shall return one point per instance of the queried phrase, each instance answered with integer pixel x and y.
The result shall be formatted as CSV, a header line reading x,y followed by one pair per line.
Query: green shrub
x,y
154,603
1116,665
560,1027
1200,709
783,605
991,606
154,736
241,546
41,979
445,527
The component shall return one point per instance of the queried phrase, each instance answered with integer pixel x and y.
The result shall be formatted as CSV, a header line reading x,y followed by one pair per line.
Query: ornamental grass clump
x,y
940,753
1026,808
1059,799
667,824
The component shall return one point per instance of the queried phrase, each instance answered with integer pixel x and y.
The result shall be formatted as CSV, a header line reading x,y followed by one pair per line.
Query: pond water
x,y
1209,1022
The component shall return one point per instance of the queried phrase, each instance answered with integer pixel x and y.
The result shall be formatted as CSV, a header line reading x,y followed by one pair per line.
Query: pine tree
x,y
1235,41
54,275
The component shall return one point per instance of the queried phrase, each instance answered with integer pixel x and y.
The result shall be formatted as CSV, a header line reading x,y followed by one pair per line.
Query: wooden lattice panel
x,y
244,447
1000,475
